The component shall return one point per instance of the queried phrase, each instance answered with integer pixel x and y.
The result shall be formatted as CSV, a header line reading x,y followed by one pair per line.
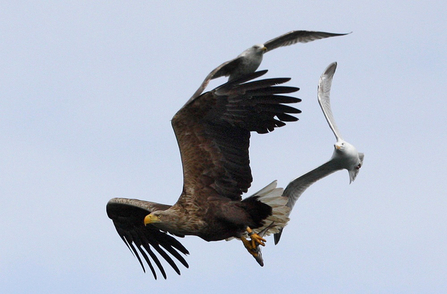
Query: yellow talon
x,y
252,244
256,239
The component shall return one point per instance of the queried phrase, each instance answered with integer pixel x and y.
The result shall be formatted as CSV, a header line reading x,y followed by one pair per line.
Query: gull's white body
x,y
249,60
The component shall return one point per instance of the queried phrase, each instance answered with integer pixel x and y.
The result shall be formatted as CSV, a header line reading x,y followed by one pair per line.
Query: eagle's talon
x,y
257,240
252,245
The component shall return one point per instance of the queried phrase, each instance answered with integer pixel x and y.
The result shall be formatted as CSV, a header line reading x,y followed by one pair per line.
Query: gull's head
x,y
348,158
261,48
255,50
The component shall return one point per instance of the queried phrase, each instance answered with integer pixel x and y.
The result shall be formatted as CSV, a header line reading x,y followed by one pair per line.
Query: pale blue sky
x,y
88,89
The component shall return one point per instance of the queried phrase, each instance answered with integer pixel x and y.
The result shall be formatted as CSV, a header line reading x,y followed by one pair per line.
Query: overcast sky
x,y
88,89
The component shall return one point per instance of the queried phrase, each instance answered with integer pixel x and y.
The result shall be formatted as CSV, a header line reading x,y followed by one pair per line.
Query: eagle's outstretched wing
x,y
213,132
127,216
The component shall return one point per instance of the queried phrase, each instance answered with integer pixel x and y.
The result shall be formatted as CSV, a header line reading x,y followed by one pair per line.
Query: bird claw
x,y
253,248
257,240
252,245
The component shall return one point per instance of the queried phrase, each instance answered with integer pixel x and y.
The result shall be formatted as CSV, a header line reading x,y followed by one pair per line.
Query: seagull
x,y
345,155
248,61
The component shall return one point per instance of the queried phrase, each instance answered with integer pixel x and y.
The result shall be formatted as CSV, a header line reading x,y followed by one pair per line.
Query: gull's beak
x,y
150,219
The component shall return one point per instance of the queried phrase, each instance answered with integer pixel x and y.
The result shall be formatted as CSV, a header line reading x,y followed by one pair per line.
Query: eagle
x,y
249,60
213,133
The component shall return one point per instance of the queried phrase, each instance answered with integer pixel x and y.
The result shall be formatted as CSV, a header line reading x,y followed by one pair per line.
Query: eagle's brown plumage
x,y
213,132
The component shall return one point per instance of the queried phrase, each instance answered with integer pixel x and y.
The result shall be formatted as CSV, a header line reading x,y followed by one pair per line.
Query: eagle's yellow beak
x,y
150,219
264,49
338,147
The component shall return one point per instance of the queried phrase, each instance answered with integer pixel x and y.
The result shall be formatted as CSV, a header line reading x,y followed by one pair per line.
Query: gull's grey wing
x,y
298,37
127,216
225,69
297,187
324,91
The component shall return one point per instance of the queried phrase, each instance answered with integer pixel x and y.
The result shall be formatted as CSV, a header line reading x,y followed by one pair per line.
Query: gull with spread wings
x,y
249,60
345,155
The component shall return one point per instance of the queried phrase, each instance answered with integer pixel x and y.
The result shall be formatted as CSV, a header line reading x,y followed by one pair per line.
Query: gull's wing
x,y
297,187
324,91
127,216
225,69
297,37
213,133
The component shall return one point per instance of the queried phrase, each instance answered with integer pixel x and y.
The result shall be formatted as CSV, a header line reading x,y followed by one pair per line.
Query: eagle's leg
x,y
252,244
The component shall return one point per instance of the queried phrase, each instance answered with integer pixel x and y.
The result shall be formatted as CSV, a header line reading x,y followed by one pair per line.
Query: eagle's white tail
x,y
272,196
